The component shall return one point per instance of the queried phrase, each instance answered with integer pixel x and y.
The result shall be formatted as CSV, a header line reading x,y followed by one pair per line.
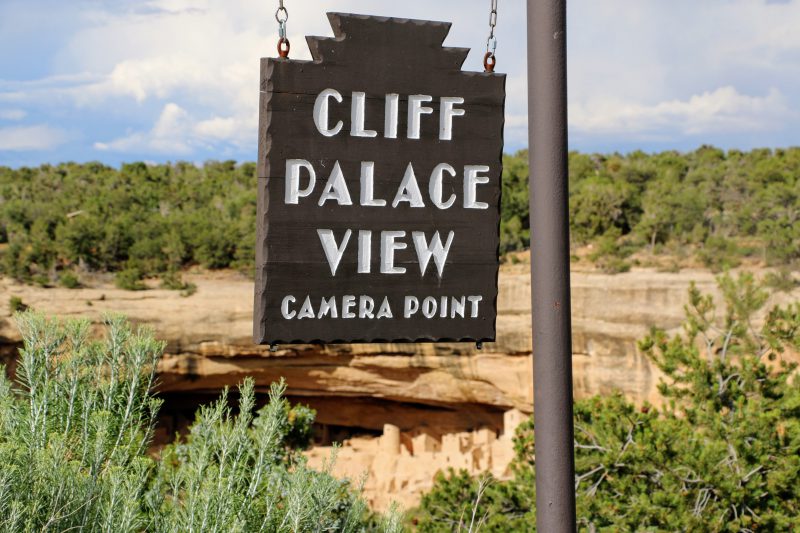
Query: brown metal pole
x,y
550,294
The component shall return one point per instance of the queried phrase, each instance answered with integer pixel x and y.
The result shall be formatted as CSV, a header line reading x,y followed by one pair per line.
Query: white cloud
x,y
177,132
168,135
190,67
12,114
202,55
31,138
723,110
218,128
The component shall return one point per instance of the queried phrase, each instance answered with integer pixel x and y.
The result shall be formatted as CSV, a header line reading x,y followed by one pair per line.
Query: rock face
x,y
399,466
447,386
356,389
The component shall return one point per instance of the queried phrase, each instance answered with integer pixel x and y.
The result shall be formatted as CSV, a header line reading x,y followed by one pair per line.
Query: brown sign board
x,y
379,172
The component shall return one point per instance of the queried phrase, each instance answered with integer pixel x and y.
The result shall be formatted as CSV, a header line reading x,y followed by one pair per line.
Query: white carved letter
x,y
409,190
364,251
457,306
333,252
410,306
348,303
306,311
415,109
390,115
446,114
357,114
293,191
366,306
435,186
474,300
443,307
367,185
388,247
429,307
435,250
336,188
385,310
471,182
287,314
321,112
327,306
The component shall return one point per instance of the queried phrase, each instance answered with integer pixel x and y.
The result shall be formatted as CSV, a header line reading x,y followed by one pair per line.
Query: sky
x,y
166,80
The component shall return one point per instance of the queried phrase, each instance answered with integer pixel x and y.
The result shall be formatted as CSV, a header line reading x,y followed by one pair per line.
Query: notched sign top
x,y
379,189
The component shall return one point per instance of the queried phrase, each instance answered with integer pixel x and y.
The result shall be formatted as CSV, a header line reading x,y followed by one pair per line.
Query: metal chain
x,y
489,59
282,15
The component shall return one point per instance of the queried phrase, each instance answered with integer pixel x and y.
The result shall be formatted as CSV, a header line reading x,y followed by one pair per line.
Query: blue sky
x,y
167,80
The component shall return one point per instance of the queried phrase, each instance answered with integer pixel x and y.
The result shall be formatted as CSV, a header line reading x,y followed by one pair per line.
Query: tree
x,y
779,223
722,454
515,231
670,210
598,205
159,219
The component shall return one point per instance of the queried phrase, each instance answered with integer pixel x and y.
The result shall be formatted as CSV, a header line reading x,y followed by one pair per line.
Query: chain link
x,y
491,42
282,15
489,59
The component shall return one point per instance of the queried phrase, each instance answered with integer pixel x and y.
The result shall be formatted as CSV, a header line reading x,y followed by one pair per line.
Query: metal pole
x,y
550,294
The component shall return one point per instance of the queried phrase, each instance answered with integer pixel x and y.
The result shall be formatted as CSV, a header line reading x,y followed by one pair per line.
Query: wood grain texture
x,y
377,56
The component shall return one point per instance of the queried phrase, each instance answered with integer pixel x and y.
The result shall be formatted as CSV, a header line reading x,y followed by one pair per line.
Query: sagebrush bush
x,y
74,434
75,429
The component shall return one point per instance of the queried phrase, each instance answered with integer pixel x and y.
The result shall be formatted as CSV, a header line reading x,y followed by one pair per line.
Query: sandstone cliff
x,y
209,346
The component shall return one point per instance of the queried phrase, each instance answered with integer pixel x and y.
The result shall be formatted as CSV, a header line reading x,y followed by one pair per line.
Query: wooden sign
x,y
379,189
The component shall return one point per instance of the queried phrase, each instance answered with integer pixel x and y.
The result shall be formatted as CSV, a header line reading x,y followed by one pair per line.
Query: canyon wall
x,y
452,385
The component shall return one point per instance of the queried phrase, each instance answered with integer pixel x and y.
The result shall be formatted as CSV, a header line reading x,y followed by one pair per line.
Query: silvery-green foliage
x,y
76,425
75,428
392,520
234,473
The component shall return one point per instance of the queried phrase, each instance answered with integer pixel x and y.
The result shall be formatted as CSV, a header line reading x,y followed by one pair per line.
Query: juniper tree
x,y
722,454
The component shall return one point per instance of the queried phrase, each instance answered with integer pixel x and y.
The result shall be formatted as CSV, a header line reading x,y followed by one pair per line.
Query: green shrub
x,y
188,290
69,280
673,267
41,280
777,220
173,281
782,280
613,265
459,503
720,455
130,279
15,304
609,254
74,436
598,205
719,254
514,215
